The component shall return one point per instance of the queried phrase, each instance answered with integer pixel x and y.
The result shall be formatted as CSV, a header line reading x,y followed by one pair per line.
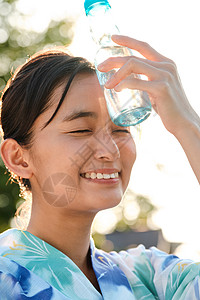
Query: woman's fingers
x,y
119,61
163,85
113,63
131,82
142,47
130,66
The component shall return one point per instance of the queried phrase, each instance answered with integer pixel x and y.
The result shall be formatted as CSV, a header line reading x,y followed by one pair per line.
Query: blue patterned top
x,y
32,269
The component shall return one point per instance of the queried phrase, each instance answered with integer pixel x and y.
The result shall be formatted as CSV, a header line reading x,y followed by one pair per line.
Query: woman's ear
x,y
13,157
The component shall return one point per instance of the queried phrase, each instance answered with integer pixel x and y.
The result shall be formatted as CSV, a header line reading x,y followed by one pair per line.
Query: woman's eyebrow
x,y
80,114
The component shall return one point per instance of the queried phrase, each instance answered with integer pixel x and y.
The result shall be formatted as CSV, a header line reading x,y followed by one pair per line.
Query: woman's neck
x,y
69,233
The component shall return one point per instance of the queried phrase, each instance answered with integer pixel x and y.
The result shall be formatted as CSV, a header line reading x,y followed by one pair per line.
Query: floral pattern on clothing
x,y
32,269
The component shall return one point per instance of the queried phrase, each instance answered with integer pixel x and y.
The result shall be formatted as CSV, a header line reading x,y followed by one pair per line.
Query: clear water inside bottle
x,y
129,115
128,107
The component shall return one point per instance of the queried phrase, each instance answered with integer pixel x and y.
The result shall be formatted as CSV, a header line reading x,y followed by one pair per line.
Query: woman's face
x,y
81,142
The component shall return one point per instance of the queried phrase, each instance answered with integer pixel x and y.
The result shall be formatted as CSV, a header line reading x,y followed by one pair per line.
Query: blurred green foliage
x,y
17,42
9,197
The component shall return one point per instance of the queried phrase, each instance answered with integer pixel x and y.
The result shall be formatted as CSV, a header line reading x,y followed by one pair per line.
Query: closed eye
x,y
122,130
77,131
89,131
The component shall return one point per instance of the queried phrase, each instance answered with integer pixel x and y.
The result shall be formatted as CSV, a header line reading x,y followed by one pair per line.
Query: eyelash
x,y
86,130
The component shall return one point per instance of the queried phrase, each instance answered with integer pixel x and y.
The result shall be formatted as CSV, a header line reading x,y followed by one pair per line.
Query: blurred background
x,y
161,206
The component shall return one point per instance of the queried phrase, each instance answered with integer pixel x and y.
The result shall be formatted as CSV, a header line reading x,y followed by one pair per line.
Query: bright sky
x,y
172,28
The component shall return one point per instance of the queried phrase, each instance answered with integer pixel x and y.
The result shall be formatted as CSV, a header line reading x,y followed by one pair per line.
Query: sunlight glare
x,y
105,221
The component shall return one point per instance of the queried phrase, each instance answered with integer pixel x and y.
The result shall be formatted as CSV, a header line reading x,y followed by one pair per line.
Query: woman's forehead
x,y
84,92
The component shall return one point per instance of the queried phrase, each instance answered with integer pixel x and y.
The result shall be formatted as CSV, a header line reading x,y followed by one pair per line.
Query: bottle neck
x,y
101,24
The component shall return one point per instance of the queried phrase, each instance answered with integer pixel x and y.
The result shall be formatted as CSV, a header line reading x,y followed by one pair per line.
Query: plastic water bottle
x,y
128,107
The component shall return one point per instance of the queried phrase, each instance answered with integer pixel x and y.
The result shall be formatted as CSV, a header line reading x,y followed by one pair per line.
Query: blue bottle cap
x,y
89,3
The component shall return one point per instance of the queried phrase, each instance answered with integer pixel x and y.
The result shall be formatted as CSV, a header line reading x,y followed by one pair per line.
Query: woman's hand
x,y
163,85
164,89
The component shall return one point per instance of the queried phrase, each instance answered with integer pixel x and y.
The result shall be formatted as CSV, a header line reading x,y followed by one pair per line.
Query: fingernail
x,y
117,88
100,66
114,35
107,83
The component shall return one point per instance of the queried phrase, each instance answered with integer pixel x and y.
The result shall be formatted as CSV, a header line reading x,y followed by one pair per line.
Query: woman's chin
x,y
108,202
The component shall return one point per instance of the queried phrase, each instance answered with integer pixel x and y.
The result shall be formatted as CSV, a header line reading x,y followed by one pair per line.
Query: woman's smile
x,y
106,179
102,176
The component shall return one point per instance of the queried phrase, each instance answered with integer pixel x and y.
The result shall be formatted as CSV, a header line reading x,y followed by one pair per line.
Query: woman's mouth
x,y
101,177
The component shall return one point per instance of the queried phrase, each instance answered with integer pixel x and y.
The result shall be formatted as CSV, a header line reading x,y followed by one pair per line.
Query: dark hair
x,y
27,94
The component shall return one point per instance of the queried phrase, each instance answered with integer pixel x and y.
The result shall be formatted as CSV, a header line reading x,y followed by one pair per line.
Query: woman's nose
x,y
105,146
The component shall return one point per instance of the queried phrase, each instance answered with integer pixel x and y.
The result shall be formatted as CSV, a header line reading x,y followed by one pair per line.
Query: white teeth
x,y
101,175
93,175
106,176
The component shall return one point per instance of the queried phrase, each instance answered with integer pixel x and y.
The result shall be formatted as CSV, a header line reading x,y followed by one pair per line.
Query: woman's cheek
x,y
79,152
128,150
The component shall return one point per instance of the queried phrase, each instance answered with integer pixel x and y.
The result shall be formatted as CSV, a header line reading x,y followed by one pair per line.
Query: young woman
x,y
60,143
